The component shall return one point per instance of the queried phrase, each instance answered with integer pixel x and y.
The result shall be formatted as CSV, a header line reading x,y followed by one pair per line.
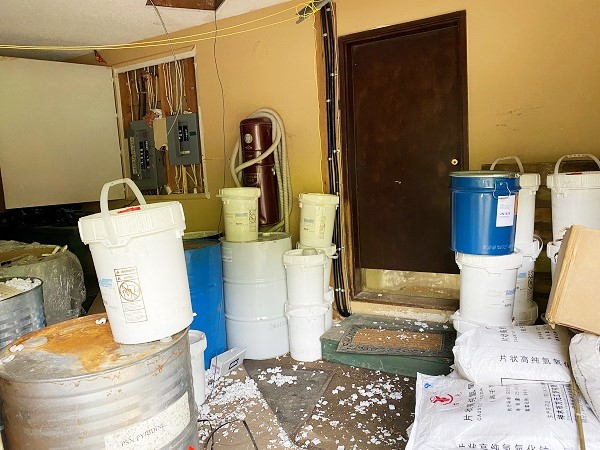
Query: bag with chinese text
x,y
585,360
513,355
456,414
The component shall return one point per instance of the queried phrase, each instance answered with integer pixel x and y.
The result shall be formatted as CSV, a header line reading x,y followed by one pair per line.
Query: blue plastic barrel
x,y
205,276
484,210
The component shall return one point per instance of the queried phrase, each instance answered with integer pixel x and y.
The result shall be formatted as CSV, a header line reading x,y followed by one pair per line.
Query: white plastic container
x,y
529,183
317,218
526,310
240,208
552,249
306,326
255,293
197,346
262,338
140,264
331,253
487,288
304,271
575,198
329,298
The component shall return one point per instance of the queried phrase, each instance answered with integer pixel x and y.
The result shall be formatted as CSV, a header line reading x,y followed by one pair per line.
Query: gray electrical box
x,y
183,139
147,163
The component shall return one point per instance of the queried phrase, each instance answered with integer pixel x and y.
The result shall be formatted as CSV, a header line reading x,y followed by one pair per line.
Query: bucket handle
x,y
502,158
104,211
498,185
574,155
540,245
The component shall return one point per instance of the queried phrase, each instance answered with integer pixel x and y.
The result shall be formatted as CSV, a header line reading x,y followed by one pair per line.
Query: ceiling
x,y
98,22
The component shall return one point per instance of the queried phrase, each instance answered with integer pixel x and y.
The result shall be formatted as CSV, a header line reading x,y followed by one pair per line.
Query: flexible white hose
x,y
279,150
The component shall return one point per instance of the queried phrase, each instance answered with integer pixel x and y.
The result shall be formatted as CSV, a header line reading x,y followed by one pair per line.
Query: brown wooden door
x,y
404,121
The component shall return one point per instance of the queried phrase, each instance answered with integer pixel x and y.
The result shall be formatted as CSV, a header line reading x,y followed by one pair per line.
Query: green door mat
x,y
390,345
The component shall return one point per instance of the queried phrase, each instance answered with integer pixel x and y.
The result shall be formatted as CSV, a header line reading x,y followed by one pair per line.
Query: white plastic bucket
x,y
262,338
487,287
254,288
197,346
529,183
329,298
254,276
140,264
526,310
552,249
306,326
304,275
575,198
240,208
331,253
317,217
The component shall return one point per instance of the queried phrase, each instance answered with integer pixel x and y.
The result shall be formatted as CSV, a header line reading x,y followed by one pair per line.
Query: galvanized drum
x,y
71,386
21,313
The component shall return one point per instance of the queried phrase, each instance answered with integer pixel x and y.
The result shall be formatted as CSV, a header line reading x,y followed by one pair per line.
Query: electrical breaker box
x,y
183,139
146,162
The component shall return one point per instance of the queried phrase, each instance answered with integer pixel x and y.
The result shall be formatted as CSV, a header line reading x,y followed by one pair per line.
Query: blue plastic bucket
x,y
484,210
205,277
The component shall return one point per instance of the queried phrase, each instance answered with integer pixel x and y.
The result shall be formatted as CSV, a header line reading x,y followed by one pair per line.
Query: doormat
x,y
395,340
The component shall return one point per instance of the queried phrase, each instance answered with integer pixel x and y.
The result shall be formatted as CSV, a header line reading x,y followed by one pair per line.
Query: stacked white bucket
x,y
308,270
575,201
139,260
254,278
525,309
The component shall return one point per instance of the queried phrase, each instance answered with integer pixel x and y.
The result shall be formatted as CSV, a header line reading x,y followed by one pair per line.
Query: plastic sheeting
x,y
61,272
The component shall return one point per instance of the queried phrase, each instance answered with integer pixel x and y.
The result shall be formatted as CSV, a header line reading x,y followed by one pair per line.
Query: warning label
x,y
130,294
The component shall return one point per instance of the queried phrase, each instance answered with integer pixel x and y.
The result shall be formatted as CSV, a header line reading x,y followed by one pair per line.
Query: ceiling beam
x,y
209,5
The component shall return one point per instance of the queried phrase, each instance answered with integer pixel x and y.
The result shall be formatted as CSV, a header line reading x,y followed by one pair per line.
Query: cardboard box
x,y
575,295
7,258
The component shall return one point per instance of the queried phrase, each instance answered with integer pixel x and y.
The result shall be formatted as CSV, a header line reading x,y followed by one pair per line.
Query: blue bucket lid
x,y
484,179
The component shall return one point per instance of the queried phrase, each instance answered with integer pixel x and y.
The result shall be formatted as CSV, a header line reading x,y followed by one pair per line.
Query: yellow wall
x,y
273,67
534,82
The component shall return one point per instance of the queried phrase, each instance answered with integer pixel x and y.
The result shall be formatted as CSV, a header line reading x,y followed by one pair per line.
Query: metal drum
x,y
21,313
71,386
255,291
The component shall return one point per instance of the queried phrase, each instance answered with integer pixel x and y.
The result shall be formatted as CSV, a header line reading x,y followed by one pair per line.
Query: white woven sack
x,y
453,413
513,355
585,360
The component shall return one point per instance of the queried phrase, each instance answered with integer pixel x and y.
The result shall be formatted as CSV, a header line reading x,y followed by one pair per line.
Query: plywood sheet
x,y
58,132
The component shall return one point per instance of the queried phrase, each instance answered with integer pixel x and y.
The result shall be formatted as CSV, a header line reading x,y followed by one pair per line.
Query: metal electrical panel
x,y
146,162
183,139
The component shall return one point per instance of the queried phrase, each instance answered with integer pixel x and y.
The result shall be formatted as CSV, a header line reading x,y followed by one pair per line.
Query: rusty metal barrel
x,y
21,312
71,386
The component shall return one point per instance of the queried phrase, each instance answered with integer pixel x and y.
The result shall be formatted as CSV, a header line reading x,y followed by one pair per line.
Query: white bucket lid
x,y
304,257
527,314
530,249
512,261
197,340
320,199
574,180
329,250
128,222
239,192
305,311
530,181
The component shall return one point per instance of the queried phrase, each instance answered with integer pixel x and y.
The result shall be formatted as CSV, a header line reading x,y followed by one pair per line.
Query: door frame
x,y
352,257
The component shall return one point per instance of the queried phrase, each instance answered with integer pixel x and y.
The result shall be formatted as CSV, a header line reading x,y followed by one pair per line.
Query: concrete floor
x,y
323,405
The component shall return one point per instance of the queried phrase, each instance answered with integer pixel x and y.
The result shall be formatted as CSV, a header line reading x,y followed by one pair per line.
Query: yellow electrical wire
x,y
178,40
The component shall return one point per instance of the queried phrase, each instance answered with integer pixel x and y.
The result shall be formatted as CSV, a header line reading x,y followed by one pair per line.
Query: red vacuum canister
x,y
256,136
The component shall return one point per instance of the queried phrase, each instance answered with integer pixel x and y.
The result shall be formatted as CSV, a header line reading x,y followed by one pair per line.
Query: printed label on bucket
x,y
156,432
130,293
505,214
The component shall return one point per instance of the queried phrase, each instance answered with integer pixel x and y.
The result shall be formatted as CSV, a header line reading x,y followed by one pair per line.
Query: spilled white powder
x,y
21,284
